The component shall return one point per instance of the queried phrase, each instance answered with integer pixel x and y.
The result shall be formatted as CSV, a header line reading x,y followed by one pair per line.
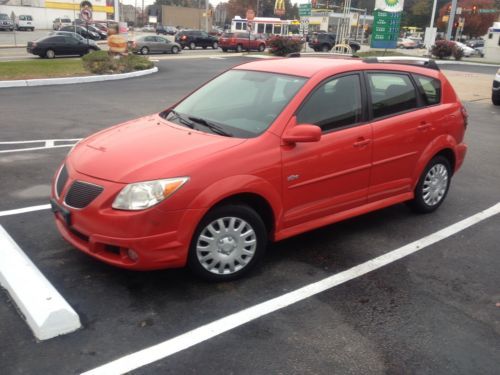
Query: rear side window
x,y
66,20
430,88
334,104
391,93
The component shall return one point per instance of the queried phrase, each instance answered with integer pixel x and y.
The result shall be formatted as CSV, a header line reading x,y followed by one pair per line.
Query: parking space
x,y
435,311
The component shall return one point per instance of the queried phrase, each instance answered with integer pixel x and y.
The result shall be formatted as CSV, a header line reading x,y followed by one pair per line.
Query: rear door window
x,y
430,89
391,93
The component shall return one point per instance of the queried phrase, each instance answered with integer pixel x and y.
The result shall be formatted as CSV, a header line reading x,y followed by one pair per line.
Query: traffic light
x,y
455,24
474,9
449,9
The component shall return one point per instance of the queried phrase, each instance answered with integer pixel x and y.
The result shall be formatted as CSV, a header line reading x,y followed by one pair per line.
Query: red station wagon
x,y
241,41
209,181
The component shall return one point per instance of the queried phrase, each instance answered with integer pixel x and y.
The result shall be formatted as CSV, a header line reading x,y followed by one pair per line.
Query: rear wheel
x,y
224,49
215,45
144,50
50,54
262,47
175,50
228,242
239,48
495,99
432,186
325,48
192,45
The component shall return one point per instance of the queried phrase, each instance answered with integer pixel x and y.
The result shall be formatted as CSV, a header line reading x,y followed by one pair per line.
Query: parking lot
x,y
435,311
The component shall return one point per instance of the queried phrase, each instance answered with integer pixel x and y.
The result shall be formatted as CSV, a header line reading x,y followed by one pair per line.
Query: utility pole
x,y
451,20
206,15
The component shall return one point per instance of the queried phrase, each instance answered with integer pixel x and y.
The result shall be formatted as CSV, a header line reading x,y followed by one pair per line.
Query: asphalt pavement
x,y
434,312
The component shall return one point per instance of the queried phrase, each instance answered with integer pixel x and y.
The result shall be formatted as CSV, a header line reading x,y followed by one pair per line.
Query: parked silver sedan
x,y
153,44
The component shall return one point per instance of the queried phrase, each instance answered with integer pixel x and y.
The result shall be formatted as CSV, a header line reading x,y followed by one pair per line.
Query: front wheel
x,y
228,242
215,45
192,45
262,47
495,99
325,48
175,50
50,54
432,186
144,50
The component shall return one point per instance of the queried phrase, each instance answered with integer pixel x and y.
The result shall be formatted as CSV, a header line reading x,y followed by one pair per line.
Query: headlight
x,y
142,195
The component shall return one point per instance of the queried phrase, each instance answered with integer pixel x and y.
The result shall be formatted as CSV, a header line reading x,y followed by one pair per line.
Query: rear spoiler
x,y
404,60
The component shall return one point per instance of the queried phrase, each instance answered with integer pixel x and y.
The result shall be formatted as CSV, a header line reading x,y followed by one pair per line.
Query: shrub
x,y
101,62
457,52
282,46
442,49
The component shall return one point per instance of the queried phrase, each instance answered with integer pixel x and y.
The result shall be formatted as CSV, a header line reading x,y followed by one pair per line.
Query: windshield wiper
x,y
182,120
211,125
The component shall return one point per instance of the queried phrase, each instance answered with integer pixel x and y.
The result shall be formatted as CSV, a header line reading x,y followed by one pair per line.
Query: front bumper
x,y
160,238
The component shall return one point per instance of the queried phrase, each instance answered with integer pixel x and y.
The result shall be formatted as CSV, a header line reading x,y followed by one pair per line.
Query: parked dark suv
x,y
324,42
196,38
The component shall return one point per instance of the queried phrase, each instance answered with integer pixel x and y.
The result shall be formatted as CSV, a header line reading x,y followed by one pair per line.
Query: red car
x,y
263,152
241,41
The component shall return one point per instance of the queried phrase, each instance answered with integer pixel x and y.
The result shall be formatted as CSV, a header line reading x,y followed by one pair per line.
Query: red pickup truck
x,y
241,41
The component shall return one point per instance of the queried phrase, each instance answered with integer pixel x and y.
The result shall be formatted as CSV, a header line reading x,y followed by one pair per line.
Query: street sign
x,y
86,11
305,10
488,10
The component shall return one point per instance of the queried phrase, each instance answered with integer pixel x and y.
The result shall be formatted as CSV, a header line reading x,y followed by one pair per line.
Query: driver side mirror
x,y
302,133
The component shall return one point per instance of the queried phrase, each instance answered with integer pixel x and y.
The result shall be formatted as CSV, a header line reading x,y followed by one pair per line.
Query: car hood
x,y
148,148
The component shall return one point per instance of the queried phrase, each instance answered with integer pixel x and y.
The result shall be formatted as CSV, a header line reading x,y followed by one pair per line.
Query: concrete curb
x,y
46,311
71,80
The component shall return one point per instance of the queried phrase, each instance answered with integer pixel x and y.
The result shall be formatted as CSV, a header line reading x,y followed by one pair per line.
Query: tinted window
x,y
238,25
204,34
333,104
150,39
66,20
70,40
269,29
431,89
391,93
260,28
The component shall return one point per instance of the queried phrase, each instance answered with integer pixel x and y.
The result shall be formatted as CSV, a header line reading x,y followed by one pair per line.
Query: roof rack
x,y
404,60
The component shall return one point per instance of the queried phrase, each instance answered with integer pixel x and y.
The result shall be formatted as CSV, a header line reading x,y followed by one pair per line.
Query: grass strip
x,y
32,69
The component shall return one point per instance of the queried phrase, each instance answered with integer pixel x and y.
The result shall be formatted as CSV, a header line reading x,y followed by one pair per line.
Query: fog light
x,y
132,255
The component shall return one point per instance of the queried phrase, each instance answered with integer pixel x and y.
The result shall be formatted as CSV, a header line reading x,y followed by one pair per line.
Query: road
x,y
434,312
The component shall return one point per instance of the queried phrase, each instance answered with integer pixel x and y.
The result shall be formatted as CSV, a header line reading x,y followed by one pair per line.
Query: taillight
x,y
184,37
465,115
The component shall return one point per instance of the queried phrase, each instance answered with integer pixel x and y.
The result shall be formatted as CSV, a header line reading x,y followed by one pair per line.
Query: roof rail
x,y
404,60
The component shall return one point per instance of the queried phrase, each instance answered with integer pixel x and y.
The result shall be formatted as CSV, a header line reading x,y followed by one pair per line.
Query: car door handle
x,y
424,125
361,142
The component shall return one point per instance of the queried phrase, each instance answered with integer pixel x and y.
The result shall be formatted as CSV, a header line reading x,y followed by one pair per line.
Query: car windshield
x,y
4,17
242,103
66,20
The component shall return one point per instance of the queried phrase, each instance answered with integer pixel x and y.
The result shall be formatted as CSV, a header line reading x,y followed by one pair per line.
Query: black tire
x,y
50,54
419,204
175,50
204,47
144,50
241,212
192,45
239,48
262,47
495,99
215,45
224,49
325,48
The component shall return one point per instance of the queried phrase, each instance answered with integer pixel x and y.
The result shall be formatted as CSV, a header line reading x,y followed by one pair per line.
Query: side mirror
x,y
302,133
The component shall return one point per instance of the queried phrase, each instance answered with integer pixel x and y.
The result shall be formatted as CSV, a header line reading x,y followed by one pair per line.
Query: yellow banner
x,y
76,7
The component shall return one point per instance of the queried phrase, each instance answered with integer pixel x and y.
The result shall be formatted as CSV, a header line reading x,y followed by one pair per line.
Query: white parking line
x,y
164,349
25,210
47,144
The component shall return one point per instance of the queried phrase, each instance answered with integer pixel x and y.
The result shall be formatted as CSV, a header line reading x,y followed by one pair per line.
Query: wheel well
x,y
259,204
448,154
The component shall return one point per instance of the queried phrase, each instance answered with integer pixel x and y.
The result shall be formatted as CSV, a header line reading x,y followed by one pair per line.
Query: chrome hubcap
x,y
435,184
226,245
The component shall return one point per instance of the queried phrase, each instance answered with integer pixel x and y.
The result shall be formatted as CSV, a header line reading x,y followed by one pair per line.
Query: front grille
x,y
81,194
61,180
496,84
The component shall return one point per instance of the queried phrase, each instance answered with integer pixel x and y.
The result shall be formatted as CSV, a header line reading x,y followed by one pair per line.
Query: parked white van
x,y
25,22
